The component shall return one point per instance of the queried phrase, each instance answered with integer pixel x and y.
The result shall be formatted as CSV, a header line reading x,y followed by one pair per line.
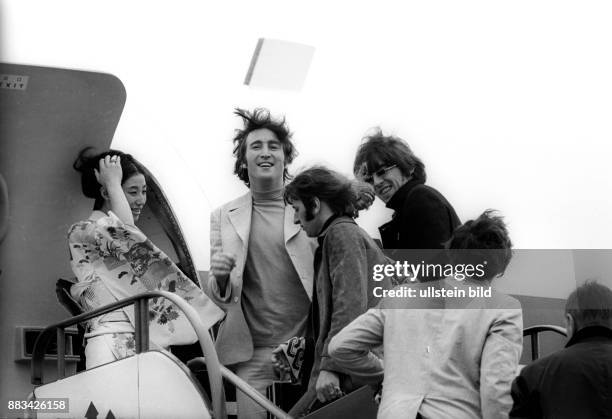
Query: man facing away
x,y
325,204
261,262
444,358
575,382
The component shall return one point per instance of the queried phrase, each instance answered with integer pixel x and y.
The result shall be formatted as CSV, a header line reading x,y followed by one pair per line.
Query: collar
x,y
397,200
590,333
331,220
245,200
273,195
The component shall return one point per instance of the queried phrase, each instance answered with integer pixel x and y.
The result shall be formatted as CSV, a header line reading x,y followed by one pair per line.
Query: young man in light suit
x,y
261,262
450,357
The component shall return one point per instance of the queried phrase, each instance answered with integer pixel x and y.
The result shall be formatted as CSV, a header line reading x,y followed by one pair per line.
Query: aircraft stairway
x,y
151,384
156,384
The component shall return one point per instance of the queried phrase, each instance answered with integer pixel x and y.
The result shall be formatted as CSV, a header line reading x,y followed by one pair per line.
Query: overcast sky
x,y
509,104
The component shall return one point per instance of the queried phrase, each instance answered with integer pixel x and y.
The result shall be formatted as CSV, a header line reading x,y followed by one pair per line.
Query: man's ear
x,y
316,206
104,193
570,325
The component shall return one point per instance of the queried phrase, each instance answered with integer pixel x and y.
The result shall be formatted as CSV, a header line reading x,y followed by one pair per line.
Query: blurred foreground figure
x,y
112,260
444,357
575,382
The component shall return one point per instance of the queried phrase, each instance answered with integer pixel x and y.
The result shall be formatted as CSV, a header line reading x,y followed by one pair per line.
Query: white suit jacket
x,y
230,226
456,362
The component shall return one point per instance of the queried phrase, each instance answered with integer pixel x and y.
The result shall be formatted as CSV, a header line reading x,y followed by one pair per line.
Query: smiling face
x,y
387,182
135,189
265,158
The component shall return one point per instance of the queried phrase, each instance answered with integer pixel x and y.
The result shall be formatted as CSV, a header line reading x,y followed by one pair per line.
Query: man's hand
x,y
221,264
280,364
328,386
365,195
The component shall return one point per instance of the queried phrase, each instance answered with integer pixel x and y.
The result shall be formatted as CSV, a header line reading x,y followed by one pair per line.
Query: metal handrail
x,y
142,340
534,332
249,391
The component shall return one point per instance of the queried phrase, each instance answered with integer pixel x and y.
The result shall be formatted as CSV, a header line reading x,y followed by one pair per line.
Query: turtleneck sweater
x,y
274,301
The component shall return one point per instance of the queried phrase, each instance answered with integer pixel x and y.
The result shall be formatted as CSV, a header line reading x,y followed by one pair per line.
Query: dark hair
x,y
487,239
260,118
590,305
86,162
344,197
378,150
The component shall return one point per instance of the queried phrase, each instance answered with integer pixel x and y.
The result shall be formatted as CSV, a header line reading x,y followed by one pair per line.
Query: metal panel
x,y
42,127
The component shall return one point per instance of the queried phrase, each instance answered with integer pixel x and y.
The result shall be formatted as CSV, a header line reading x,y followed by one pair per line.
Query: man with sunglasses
x,y
423,218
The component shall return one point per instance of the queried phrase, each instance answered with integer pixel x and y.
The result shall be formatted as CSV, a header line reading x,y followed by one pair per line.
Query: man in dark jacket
x,y
423,218
325,204
575,382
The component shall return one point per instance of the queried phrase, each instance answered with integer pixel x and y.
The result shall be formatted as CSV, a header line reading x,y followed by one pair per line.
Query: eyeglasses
x,y
369,178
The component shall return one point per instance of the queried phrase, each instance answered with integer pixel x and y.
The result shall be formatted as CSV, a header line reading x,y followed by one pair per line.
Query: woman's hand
x,y
109,173
109,176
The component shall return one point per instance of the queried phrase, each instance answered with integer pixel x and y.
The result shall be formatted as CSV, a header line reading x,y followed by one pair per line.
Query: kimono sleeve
x,y
82,250
114,237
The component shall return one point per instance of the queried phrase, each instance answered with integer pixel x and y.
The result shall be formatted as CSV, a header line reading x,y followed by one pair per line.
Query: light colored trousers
x,y
259,373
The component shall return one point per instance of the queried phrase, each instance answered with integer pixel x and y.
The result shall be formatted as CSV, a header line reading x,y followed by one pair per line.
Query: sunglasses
x,y
369,178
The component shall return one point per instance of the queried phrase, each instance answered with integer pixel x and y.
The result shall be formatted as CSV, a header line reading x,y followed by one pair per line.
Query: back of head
x,y
88,161
590,305
344,197
483,239
260,118
378,150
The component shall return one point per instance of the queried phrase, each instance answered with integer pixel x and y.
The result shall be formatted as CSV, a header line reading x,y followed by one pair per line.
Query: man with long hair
x,y
325,204
261,263
423,218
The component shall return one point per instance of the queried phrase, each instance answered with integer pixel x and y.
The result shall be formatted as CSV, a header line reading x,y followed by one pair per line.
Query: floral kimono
x,y
113,261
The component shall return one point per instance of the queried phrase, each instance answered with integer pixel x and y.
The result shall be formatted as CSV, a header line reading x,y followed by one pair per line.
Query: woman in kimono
x,y
112,260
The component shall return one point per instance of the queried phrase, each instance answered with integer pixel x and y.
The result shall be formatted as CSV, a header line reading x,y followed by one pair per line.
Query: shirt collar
x,y
326,225
331,220
590,333
397,200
